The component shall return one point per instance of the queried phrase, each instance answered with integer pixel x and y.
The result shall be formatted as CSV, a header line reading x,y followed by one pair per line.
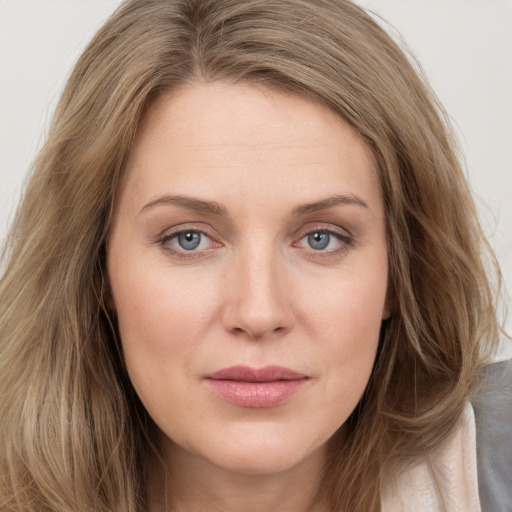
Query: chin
x,y
263,453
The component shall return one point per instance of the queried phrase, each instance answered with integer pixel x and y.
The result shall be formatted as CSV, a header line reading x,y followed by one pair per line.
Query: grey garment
x,y
493,417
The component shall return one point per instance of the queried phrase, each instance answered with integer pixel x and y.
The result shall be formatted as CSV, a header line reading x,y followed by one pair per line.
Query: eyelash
x,y
347,241
184,254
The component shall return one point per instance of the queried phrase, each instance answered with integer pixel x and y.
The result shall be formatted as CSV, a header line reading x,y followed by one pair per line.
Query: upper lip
x,y
248,374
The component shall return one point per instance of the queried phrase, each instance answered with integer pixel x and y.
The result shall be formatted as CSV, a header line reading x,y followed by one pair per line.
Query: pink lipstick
x,y
256,387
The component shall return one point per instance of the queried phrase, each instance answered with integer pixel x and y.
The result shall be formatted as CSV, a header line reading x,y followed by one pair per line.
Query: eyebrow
x,y
349,199
190,203
214,208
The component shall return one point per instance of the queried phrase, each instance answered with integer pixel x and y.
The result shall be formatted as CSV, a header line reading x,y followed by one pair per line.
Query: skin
x,y
254,292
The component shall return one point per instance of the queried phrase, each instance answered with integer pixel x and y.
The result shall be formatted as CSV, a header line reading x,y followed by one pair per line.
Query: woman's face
x,y
248,266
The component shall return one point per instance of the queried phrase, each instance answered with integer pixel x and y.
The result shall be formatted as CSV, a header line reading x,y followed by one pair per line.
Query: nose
x,y
258,301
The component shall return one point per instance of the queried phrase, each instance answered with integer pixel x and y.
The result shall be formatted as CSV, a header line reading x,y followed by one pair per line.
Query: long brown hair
x,y
74,436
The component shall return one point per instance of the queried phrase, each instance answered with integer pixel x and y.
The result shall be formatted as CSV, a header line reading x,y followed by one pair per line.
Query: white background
x,y
465,47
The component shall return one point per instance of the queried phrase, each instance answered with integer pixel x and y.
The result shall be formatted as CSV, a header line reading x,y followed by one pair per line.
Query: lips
x,y
244,386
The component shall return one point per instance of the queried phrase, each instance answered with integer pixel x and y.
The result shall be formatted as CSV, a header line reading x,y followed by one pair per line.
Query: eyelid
x,y
309,228
198,227
346,240
169,233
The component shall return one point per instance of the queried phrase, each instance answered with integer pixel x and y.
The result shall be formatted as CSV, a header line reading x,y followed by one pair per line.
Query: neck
x,y
190,483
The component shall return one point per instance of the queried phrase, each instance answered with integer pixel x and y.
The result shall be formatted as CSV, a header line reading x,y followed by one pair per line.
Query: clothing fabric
x,y
493,415
446,482
472,471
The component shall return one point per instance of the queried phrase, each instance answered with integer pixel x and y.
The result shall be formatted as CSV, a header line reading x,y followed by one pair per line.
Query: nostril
x,y
257,306
255,333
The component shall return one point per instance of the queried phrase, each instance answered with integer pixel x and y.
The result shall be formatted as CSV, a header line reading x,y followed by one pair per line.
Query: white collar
x,y
446,481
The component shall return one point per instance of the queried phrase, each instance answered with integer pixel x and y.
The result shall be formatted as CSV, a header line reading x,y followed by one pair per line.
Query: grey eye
x,y
189,240
319,240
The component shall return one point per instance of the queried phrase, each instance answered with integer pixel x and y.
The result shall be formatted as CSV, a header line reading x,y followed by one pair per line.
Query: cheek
x,y
155,302
349,308
162,315
346,320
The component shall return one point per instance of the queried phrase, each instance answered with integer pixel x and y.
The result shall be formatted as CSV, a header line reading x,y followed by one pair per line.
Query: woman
x,y
246,274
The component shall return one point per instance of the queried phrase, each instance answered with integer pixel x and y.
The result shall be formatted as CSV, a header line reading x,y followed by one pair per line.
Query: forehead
x,y
247,138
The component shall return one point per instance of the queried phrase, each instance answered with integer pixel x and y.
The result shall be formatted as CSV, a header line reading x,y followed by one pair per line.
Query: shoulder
x,y
472,470
493,418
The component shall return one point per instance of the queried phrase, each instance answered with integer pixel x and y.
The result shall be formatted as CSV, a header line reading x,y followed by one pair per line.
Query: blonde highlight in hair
x,y
74,434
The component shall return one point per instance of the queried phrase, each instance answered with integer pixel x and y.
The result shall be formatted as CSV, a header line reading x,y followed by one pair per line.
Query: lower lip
x,y
255,394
